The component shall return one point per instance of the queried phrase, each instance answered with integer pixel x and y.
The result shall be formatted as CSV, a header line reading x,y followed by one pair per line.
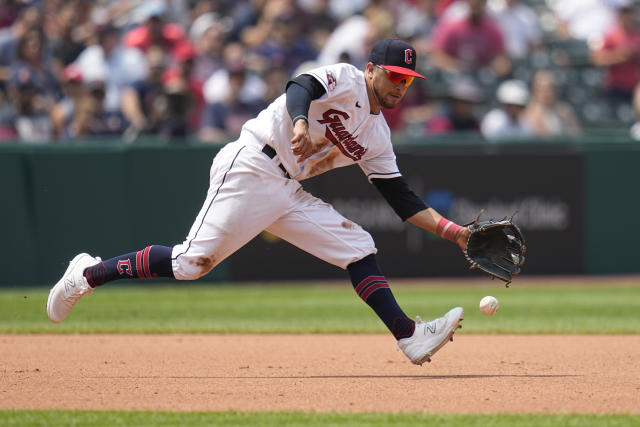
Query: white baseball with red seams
x,y
489,305
249,193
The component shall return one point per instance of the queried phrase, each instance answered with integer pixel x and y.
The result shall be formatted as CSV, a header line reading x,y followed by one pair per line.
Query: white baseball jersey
x,y
249,192
340,120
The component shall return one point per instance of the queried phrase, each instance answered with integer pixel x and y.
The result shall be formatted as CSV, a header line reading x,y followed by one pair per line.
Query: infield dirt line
x,y
343,373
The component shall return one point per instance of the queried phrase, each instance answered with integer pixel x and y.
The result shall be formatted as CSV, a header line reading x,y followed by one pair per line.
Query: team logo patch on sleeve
x,y
331,80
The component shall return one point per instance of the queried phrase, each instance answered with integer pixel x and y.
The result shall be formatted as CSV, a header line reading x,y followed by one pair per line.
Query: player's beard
x,y
383,103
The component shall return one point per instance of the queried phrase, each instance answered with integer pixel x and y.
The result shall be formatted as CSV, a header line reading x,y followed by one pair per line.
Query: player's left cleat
x,y
429,337
73,286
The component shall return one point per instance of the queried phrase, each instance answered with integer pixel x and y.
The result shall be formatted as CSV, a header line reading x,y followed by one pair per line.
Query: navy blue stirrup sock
x,y
372,287
152,261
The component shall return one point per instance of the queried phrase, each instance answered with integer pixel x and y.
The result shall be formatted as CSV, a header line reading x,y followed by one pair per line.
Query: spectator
x,y
144,103
66,46
64,110
208,33
275,79
82,113
286,46
169,101
455,10
547,116
519,25
30,53
184,94
440,6
245,17
147,72
90,117
258,20
348,40
9,12
416,109
119,68
342,9
319,23
458,114
154,31
29,18
506,122
225,118
583,19
417,17
233,95
466,44
177,105
31,112
619,52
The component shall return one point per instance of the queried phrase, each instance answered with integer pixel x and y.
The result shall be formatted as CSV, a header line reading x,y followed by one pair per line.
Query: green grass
x,y
524,308
186,419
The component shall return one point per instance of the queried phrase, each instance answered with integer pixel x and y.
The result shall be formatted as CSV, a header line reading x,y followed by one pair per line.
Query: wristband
x,y
448,229
298,117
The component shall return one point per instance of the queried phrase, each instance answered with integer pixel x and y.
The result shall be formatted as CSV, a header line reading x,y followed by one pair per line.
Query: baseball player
x,y
329,117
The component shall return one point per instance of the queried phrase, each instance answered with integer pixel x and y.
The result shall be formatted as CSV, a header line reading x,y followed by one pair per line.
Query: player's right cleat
x,y
429,337
73,286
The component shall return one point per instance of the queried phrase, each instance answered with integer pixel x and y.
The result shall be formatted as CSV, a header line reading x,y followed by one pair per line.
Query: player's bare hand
x,y
462,238
301,143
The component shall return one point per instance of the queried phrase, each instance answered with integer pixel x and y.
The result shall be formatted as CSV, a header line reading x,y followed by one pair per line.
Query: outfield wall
x,y
576,204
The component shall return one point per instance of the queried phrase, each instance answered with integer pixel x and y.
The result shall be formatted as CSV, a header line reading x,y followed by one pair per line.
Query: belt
x,y
269,151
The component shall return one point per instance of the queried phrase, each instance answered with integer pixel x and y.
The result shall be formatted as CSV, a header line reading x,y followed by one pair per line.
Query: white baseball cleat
x,y
429,337
73,286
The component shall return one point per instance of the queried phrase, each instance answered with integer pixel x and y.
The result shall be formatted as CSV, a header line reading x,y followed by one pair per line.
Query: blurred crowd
x,y
198,69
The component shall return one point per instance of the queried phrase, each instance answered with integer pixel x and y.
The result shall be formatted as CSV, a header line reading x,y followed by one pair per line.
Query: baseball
x,y
489,305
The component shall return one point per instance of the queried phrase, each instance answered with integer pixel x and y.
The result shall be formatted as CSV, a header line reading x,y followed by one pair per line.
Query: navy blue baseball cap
x,y
395,55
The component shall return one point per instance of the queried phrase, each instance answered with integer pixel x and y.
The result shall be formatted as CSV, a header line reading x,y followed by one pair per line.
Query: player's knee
x,y
192,268
188,275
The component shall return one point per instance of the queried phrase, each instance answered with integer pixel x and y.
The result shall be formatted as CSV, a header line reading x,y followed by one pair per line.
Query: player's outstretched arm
x,y
410,207
429,219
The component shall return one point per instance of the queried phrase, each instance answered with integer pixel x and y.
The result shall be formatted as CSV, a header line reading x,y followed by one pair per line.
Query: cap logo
x,y
408,56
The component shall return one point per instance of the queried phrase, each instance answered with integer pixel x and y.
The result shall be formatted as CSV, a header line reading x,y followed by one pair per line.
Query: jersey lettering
x,y
340,136
124,266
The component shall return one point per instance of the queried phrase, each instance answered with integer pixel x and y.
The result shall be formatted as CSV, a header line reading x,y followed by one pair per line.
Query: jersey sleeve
x,y
380,164
333,78
402,200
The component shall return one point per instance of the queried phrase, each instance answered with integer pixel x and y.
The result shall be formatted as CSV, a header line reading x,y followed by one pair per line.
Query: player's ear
x,y
369,69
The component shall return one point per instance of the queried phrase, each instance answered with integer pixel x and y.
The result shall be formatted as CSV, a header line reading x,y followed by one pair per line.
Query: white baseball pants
x,y
248,193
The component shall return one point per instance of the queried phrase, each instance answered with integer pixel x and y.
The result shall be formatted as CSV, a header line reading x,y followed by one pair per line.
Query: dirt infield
x,y
344,373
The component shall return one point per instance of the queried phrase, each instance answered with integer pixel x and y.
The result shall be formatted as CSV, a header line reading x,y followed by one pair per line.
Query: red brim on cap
x,y
402,70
